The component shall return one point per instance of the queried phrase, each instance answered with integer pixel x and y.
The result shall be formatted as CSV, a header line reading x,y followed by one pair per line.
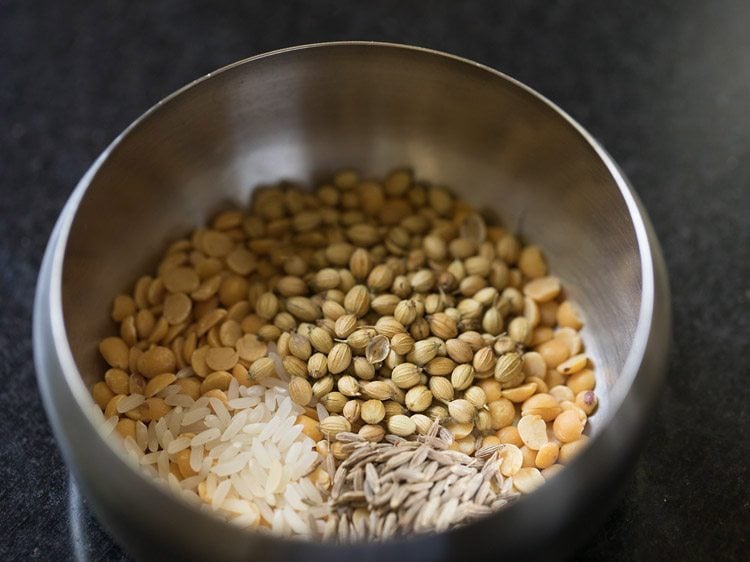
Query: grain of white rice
x,y
273,452
294,521
234,389
284,428
212,420
273,382
278,524
211,483
254,428
260,454
232,465
194,414
174,420
274,477
257,487
243,439
234,426
149,458
141,435
205,436
163,464
280,371
109,425
230,451
166,438
185,372
322,412
260,412
240,485
269,429
265,510
310,491
130,402
255,390
191,482
245,520
243,403
221,411
270,401
161,427
196,458
220,494
292,454
178,445
171,390
153,441
132,449
238,506
179,400
291,495
174,484
289,436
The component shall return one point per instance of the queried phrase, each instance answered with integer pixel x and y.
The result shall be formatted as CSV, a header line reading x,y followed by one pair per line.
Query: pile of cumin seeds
x,y
404,486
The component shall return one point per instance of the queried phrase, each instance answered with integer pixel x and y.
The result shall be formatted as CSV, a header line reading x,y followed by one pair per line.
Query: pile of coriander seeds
x,y
386,309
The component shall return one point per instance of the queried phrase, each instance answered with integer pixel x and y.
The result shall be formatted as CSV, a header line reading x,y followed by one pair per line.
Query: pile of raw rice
x,y
245,458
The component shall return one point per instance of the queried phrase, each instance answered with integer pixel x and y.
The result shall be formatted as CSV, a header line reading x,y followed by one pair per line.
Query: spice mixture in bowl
x,y
351,301
359,361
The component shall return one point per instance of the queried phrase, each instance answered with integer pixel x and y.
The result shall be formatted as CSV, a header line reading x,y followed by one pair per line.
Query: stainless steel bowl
x,y
301,113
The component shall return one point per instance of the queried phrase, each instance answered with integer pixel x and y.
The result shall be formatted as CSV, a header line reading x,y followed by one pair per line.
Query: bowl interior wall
x,y
304,114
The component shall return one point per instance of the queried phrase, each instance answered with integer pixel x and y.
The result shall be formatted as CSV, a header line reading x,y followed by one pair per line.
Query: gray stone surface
x,y
664,85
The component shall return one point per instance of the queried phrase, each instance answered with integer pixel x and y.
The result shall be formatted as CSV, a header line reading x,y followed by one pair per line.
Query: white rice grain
x,y
258,414
290,435
238,506
185,372
260,453
178,445
265,510
243,402
132,449
205,436
233,465
234,426
130,402
295,522
270,428
109,425
220,494
171,390
291,495
195,414
182,400
230,451
234,389
196,458
141,435
166,439
149,458
192,482
174,420
274,477
162,464
221,411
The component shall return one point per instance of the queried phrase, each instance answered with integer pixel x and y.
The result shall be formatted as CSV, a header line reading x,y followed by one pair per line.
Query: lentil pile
x,y
363,360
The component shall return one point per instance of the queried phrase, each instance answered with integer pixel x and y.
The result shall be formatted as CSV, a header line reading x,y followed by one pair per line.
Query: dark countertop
x,y
664,85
